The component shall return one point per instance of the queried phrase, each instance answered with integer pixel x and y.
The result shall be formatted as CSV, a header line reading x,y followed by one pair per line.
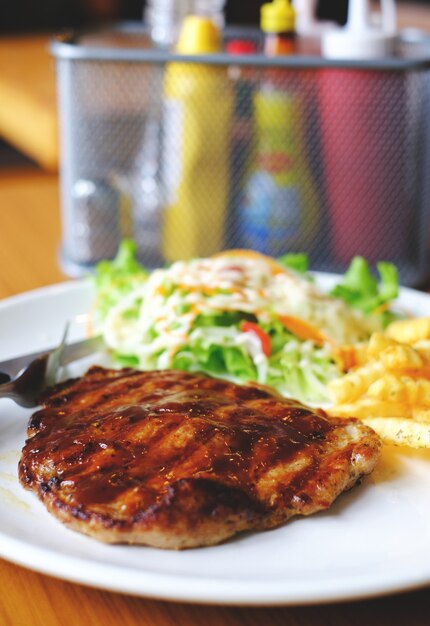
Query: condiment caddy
x,y
243,143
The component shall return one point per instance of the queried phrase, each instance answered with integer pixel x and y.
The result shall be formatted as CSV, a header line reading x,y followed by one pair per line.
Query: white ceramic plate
x,y
374,540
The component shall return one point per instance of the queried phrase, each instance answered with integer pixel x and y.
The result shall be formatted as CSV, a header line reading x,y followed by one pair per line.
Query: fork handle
x,y
7,391
4,378
26,388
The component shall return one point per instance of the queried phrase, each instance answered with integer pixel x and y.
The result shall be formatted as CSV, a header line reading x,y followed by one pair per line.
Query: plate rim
x,y
192,589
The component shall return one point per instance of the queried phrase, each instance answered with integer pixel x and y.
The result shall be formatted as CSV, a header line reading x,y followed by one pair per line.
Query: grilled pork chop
x,y
177,460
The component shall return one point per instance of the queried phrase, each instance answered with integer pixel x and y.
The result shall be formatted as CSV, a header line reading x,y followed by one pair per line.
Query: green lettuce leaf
x,y
298,262
215,359
361,290
115,279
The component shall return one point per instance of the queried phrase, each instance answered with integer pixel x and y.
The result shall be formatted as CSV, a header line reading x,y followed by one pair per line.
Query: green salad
x,y
240,315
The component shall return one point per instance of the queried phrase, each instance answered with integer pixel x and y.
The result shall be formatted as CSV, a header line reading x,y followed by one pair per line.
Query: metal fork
x,y
44,370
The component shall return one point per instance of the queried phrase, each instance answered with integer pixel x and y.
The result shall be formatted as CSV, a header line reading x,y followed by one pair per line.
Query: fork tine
x,y
54,359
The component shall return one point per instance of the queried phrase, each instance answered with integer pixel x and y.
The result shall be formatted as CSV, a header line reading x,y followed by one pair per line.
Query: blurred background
x,y
29,153
27,15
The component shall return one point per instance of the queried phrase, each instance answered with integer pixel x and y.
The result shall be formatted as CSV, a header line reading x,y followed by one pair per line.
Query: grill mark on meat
x,y
177,459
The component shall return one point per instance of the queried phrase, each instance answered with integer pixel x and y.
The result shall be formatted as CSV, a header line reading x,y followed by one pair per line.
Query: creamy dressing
x,y
161,316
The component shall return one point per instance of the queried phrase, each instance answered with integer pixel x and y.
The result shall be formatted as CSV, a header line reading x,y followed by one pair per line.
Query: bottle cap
x,y
277,17
198,35
365,36
241,46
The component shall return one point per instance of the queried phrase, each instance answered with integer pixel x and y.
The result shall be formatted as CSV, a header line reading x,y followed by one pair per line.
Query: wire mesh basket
x,y
192,155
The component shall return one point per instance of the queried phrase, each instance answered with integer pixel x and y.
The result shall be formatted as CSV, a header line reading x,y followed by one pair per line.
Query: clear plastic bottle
x,y
146,190
242,134
146,179
165,17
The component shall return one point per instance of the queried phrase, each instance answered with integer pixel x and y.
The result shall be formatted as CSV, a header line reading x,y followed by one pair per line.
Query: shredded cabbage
x,y
238,315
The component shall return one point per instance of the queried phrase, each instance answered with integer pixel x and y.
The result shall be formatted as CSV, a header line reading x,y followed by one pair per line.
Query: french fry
x,y
421,413
355,383
409,331
423,349
388,384
371,407
379,342
401,388
401,356
400,432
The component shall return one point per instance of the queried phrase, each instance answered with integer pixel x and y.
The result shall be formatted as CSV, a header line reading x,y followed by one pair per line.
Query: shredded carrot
x,y
302,329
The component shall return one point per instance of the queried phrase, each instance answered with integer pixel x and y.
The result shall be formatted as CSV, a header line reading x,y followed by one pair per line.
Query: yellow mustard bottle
x,y
198,107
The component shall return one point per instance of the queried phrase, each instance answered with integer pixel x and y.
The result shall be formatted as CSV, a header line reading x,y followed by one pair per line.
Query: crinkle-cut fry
x,y
400,432
401,356
409,331
371,407
379,342
355,383
388,385
423,349
421,413
401,388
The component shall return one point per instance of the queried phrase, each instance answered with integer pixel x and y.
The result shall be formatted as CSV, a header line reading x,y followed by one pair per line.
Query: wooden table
x,y
28,100
29,242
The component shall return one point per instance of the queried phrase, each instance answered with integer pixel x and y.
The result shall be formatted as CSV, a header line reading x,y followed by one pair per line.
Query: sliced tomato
x,y
251,327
